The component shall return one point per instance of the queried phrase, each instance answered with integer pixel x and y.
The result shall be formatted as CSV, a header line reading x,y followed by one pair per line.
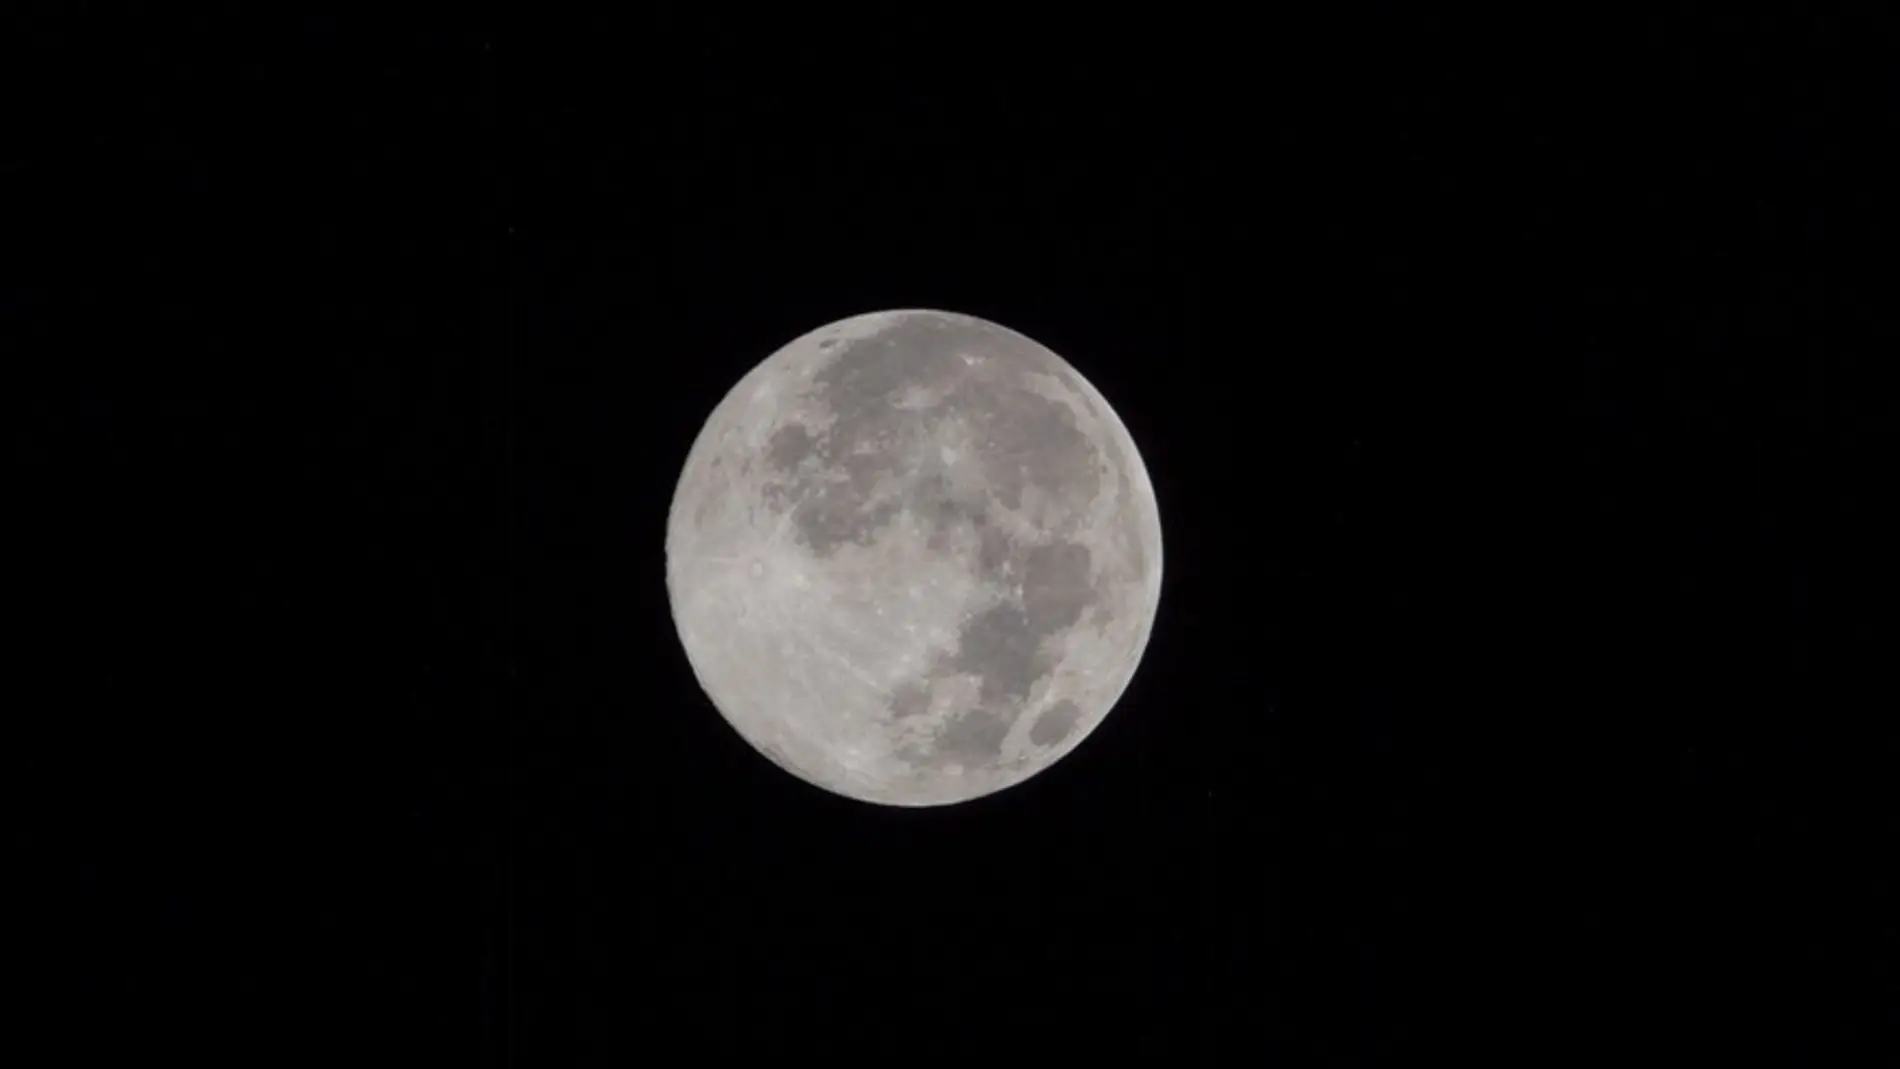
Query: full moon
x,y
914,558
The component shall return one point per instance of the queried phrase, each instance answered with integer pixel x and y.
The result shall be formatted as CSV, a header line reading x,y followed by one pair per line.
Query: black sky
x,y
1518,398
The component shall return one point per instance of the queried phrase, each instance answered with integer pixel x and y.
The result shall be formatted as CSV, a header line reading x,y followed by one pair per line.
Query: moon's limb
x,y
914,557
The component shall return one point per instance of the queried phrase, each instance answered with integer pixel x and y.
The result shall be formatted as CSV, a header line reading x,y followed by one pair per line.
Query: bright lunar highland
x,y
914,557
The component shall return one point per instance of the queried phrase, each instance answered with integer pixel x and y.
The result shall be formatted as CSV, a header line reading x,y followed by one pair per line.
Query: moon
x,y
914,558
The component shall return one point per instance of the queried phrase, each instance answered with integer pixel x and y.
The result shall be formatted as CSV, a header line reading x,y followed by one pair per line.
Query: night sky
x,y
1519,399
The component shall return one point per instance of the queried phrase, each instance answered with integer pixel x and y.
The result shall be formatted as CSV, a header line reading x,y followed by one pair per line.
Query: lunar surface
x,y
914,558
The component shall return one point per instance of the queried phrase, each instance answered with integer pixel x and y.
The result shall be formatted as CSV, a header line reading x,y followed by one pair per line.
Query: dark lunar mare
x,y
1023,439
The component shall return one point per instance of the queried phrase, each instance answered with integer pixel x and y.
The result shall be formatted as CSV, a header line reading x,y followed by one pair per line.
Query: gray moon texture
x,y
914,558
